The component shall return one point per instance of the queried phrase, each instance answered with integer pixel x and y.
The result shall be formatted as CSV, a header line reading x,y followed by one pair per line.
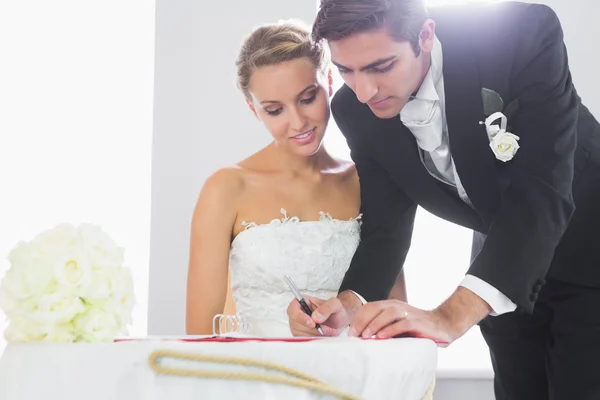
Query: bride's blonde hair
x,y
275,43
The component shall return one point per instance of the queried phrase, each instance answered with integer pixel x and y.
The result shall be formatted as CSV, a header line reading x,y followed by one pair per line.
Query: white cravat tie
x,y
424,119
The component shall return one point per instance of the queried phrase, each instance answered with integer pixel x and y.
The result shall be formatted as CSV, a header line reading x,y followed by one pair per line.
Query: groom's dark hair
x,y
338,19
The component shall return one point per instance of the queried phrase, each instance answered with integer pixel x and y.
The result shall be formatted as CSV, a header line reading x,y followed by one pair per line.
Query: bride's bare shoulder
x,y
233,179
225,184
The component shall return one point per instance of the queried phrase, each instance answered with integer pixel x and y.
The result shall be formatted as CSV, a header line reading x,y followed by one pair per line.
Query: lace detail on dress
x,y
315,254
323,216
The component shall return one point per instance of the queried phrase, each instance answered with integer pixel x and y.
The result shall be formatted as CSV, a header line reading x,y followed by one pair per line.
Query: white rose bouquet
x,y
67,285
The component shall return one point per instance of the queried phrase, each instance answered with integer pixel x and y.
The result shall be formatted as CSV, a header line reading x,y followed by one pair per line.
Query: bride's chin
x,y
303,151
308,151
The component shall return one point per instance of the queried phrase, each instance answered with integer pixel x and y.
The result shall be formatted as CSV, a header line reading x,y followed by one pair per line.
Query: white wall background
x,y
76,80
202,123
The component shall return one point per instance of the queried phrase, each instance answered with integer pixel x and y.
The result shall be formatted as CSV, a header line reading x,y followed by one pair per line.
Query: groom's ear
x,y
427,36
330,82
251,106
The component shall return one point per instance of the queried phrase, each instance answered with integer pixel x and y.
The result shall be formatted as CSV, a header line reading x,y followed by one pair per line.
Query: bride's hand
x,y
331,312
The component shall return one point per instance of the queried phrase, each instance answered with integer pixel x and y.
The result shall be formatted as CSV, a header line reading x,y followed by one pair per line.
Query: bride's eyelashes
x,y
305,101
274,112
309,99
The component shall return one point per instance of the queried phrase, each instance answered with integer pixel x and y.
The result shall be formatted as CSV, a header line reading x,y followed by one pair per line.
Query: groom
x,y
470,112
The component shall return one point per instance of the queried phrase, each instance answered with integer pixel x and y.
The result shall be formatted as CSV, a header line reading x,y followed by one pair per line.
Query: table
x,y
370,369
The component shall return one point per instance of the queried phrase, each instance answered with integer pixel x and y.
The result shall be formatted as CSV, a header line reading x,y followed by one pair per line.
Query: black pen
x,y
301,300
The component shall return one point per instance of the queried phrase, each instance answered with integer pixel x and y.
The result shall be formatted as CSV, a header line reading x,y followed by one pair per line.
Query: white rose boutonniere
x,y
504,144
67,285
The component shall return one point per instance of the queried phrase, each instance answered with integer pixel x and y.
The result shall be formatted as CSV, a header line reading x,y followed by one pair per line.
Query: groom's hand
x,y
389,318
330,314
448,322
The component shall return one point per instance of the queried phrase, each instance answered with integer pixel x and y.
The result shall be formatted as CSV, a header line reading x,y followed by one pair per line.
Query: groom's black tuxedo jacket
x,y
523,209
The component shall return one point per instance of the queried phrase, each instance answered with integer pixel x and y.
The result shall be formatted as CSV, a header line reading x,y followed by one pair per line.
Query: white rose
x,y
21,251
73,270
50,243
61,234
25,330
102,251
64,333
123,296
55,307
111,284
504,145
28,276
101,286
96,325
7,302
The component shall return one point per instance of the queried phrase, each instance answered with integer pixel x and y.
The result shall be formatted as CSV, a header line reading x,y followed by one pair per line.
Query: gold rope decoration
x,y
297,379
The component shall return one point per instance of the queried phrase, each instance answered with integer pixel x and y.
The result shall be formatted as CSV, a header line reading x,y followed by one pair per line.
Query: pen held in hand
x,y
301,300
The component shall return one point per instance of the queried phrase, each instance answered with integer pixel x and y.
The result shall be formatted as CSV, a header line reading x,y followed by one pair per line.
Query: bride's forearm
x,y
201,308
198,326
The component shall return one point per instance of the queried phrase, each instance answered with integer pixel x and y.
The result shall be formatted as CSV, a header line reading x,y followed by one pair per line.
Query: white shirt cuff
x,y
362,300
499,303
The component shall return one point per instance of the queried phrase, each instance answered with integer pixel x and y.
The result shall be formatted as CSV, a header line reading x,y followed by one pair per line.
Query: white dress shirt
x,y
425,117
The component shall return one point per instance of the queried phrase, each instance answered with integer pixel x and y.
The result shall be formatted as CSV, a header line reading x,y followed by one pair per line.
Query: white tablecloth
x,y
373,369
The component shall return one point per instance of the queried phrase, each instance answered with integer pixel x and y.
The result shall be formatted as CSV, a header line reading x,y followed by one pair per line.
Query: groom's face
x,y
382,72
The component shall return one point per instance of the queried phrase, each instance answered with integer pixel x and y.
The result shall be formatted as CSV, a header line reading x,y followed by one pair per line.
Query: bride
x,y
289,209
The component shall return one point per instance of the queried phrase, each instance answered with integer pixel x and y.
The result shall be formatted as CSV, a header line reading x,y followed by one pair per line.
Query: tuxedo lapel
x,y
469,144
398,153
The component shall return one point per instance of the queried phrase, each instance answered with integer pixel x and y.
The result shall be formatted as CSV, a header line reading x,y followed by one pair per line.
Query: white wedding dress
x,y
314,254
